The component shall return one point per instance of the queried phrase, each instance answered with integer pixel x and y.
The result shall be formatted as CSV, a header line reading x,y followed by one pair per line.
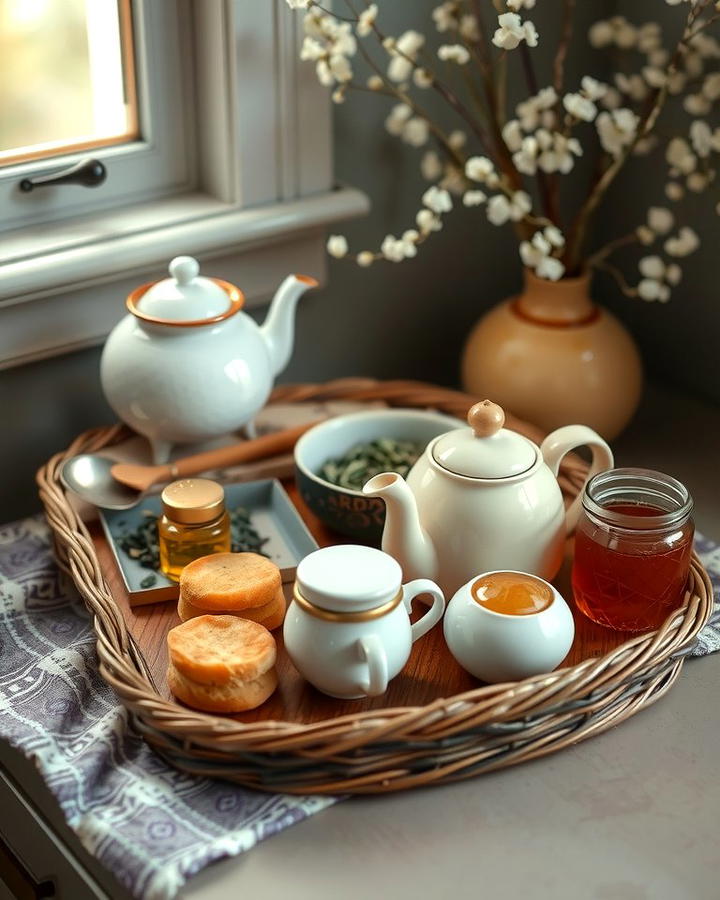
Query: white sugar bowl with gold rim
x,y
506,626
348,628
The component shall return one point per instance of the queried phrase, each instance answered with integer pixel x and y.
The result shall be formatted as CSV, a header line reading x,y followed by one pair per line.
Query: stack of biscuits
x,y
246,585
221,663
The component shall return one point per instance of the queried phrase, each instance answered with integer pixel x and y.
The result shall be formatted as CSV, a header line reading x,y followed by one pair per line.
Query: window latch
x,y
87,172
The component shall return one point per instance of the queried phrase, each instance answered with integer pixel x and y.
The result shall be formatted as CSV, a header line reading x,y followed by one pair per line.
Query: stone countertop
x,y
632,814
629,815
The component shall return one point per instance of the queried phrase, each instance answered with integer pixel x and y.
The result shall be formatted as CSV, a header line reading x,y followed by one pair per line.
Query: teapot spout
x,y
403,536
278,329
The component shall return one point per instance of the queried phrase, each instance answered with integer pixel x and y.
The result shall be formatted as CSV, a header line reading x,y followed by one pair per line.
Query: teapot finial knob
x,y
184,269
486,418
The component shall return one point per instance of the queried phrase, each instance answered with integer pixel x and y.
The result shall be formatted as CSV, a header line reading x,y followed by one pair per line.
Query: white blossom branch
x,y
495,149
397,92
579,228
539,140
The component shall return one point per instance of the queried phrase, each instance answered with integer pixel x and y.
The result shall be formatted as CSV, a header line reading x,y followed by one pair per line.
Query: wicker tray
x,y
434,726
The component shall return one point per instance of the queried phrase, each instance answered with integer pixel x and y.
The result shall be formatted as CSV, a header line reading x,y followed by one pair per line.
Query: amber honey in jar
x,y
194,523
633,547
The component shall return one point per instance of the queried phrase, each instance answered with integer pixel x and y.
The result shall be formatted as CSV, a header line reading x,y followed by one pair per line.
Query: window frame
x,y
127,55
157,164
257,206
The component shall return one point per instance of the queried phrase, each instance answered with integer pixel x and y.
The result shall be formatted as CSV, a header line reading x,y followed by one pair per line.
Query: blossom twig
x,y
528,68
494,88
549,202
600,255
452,100
354,86
501,89
330,12
394,91
705,24
499,153
563,45
558,82
619,278
483,104
527,222
482,42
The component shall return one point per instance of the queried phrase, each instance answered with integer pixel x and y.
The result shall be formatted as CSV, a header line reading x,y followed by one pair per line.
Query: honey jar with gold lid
x,y
194,523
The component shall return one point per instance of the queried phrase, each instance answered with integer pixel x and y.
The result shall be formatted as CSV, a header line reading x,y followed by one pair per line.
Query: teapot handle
x,y
568,438
433,615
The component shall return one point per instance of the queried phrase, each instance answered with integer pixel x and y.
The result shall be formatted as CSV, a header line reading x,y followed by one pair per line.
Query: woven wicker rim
x,y
603,686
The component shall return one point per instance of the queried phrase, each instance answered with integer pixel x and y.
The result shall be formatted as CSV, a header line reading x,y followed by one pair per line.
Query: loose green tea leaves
x,y
148,581
245,539
363,461
141,544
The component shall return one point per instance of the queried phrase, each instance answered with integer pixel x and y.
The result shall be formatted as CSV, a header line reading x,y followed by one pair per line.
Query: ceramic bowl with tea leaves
x,y
335,458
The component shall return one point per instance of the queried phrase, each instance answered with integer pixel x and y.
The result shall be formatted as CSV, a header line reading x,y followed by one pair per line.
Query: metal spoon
x,y
112,485
89,476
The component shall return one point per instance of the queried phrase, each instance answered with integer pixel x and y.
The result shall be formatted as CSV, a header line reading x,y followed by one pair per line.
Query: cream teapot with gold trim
x,y
186,364
481,499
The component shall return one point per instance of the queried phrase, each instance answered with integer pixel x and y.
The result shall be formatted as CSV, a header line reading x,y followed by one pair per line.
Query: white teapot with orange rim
x,y
186,364
481,499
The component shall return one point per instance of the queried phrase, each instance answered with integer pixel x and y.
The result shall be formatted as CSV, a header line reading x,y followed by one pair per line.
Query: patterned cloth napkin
x,y
708,641
150,825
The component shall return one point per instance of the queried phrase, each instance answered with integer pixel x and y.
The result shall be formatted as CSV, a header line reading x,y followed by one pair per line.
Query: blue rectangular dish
x,y
272,514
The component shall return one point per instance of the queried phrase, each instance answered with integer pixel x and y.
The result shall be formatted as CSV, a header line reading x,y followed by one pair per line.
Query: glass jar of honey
x,y
194,523
633,547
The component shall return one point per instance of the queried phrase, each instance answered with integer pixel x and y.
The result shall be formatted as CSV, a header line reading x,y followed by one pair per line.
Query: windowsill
x,y
42,261
89,266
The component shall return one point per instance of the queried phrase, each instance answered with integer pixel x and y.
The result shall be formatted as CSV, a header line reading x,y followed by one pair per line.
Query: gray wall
x,y
395,320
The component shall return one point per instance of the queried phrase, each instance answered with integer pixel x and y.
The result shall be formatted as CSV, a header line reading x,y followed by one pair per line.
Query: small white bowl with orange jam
x,y
505,626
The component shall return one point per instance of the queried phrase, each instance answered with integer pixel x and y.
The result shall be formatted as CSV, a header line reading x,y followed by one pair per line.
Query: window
x,y
140,90
80,54
228,156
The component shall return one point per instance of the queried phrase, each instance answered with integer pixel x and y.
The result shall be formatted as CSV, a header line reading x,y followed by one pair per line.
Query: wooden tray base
x,y
430,674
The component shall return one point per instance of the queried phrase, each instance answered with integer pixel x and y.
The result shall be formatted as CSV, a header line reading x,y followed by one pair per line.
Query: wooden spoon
x,y
144,477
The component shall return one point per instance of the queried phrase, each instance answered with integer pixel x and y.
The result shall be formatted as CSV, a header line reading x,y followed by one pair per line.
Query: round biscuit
x,y
230,581
235,696
271,615
213,649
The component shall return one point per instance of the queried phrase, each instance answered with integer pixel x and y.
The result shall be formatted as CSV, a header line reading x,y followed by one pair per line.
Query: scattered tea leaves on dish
x,y
244,537
141,544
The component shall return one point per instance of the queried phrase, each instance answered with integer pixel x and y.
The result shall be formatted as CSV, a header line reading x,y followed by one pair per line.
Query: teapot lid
x,y
486,449
185,298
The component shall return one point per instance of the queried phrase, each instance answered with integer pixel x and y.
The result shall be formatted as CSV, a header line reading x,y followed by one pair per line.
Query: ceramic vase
x,y
554,357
